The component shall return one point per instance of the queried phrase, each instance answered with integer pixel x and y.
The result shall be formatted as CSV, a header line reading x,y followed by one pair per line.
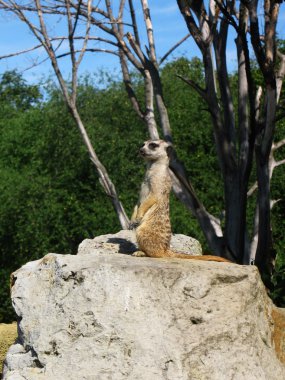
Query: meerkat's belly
x,y
154,233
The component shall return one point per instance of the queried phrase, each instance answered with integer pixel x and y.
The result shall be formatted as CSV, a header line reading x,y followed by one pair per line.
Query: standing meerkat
x,y
151,215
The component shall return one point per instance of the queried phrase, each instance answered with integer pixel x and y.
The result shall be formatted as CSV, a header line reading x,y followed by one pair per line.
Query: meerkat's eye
x,y
152,146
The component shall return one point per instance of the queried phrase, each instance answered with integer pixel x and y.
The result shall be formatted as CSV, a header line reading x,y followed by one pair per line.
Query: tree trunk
x,y
263,251
233,217
264,254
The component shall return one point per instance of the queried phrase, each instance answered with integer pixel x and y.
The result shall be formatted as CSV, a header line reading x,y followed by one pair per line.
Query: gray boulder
x,y
104,315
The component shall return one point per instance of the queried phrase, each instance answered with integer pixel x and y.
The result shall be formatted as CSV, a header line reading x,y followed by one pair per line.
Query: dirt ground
x,y
8,334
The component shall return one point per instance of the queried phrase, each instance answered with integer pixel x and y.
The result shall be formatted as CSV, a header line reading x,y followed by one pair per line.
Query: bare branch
x,y
280,75
134,21
71,31
225,11
252,189
149,114
149,31
257,102
89,50
220,44
116,32
254,32
121,10
87,32
278,163
196,87
20,52
278,145
180,42
128,85
191,24
126,74
136,48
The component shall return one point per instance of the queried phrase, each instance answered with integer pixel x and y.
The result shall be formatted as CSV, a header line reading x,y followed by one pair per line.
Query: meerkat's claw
x,y
139,254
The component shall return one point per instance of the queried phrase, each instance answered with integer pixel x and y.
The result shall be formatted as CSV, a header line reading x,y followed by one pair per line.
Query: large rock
x,y
102,316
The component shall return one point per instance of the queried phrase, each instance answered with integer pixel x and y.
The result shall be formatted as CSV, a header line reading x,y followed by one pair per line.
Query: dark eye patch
x,y
152,146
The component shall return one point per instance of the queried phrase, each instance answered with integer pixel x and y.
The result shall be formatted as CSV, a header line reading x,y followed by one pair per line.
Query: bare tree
x,y
252,135
39,28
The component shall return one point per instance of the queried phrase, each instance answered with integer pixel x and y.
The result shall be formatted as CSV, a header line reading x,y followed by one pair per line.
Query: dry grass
x,y
8,334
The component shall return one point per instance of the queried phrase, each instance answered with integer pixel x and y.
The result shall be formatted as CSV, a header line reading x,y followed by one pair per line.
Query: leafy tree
x,y
15,94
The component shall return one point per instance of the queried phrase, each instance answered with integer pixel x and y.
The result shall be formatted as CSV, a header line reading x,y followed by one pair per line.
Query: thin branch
x,y
173,48
127,77
77,16
278,145
136,48
196,87
252,189
71,31
115,31
85,42
223,8
89,50
20,52
121,9
278,163
257,103
61,39
134,21
149,31
280,75
43,60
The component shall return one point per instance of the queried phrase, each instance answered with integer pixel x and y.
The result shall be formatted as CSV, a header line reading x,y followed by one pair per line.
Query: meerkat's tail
x,y
203,257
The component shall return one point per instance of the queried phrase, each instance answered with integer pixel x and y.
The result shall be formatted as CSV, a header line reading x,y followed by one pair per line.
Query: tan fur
x,y
151,215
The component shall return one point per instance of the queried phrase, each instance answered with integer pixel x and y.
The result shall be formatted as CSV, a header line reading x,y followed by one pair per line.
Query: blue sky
x,y
168,25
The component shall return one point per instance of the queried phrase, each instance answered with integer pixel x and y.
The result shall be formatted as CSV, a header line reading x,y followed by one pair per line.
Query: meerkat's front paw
x,y
139,254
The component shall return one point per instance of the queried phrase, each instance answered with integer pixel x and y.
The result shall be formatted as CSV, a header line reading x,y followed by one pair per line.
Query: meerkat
x,y
151,215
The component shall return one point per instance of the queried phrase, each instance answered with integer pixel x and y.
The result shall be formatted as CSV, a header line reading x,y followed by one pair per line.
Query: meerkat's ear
x,y
169,150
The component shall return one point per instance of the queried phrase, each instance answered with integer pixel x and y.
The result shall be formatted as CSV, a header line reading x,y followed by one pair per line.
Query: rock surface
x,y
103,315
125,242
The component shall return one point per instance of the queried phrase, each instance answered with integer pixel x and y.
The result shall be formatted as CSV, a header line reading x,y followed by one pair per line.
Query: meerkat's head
x,y
154,150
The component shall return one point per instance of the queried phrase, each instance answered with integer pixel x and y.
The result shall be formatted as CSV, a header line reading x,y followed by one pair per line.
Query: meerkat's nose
x,y
142,151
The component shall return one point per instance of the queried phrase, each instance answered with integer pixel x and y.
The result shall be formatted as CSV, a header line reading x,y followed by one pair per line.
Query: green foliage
x,y
15,94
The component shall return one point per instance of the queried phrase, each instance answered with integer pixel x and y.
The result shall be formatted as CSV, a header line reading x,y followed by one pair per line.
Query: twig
x,y
196,87
173,48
